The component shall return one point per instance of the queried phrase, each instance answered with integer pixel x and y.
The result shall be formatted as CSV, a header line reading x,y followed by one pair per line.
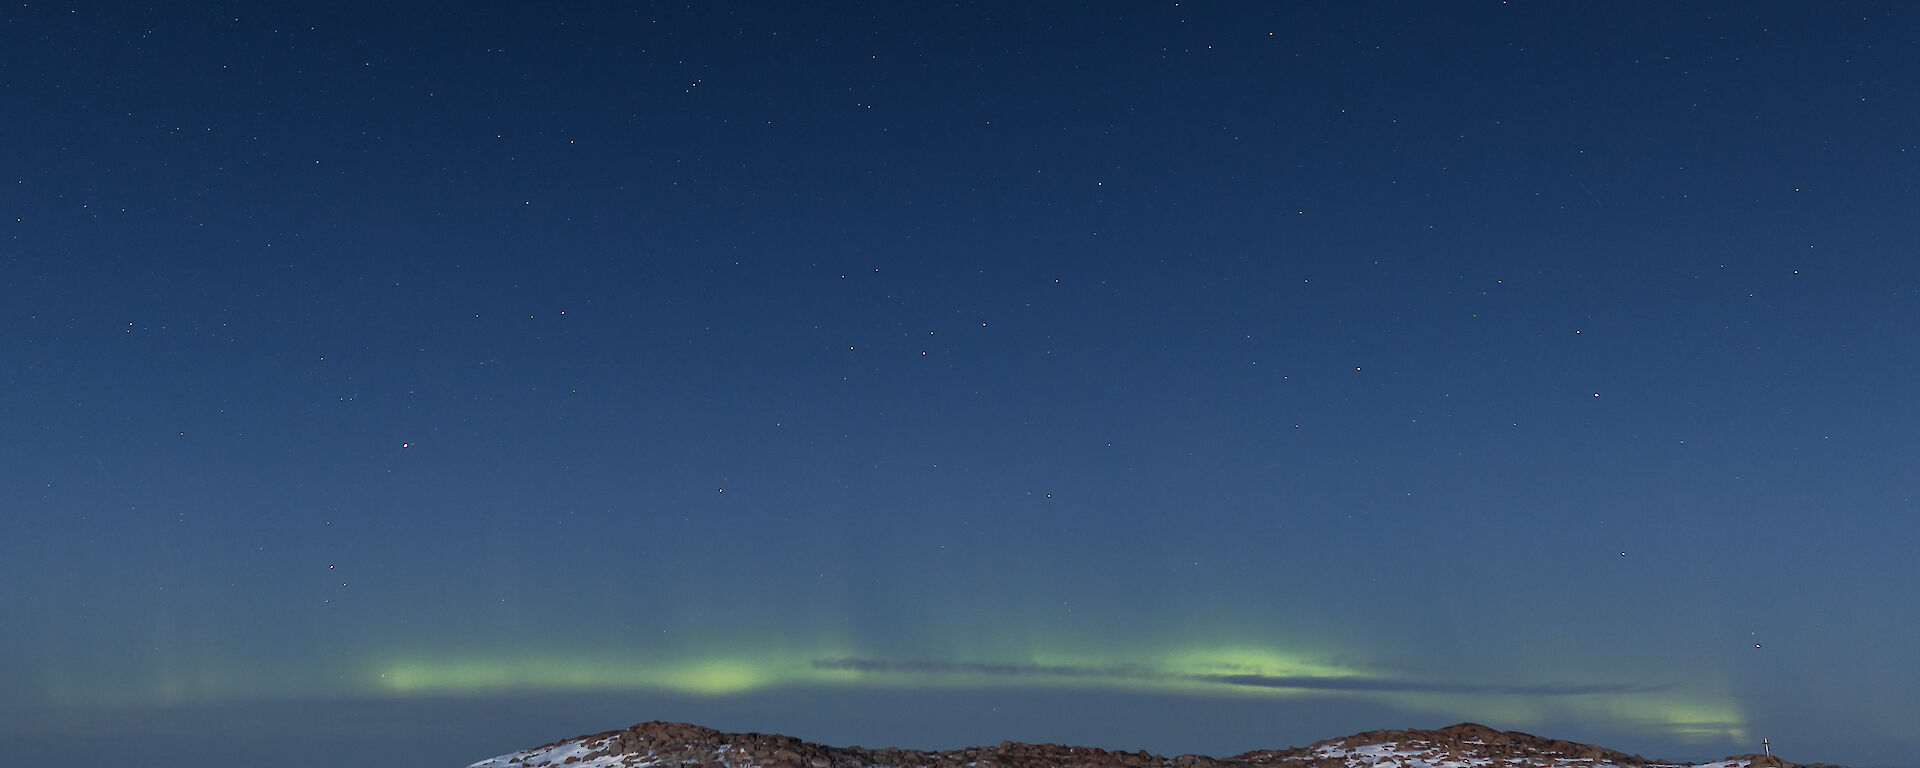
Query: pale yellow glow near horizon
x,y
1686,718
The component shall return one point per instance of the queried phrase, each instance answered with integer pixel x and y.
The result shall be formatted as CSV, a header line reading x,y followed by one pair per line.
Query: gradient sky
x,y
416,384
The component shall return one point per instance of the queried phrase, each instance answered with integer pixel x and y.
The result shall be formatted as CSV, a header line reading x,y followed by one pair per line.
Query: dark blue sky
x,y
427,383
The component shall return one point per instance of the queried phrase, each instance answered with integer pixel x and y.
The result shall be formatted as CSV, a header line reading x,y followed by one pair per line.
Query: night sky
x,y
414,384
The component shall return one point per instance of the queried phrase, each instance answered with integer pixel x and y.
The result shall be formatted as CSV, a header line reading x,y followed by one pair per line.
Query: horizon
x,y
461,730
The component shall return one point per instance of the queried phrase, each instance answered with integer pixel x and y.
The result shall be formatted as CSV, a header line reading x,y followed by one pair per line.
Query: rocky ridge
x,y
1467,745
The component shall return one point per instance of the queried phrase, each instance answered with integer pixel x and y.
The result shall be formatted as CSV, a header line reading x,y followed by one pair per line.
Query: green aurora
x,y
1690,715
1194,671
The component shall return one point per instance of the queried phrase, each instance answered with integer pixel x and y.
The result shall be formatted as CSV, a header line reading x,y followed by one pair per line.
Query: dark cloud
x,y
1389,685
1128,671
1291,682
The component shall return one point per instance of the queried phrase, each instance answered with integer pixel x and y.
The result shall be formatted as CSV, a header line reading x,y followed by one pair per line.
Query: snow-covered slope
x,y
679,745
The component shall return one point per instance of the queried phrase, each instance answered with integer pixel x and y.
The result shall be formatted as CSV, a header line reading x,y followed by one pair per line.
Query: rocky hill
x,y
1467,745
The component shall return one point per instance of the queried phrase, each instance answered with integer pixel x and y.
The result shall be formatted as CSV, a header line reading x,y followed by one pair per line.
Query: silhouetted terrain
x,y
1467,745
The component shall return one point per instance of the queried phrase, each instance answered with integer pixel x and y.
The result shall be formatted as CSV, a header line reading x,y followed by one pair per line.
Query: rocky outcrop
x,y
1467,745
